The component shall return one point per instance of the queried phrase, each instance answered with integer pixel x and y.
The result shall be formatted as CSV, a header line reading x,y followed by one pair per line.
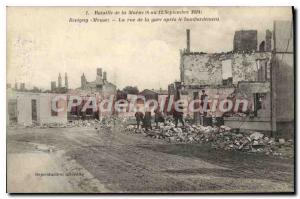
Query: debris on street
x,y
222,137
105,123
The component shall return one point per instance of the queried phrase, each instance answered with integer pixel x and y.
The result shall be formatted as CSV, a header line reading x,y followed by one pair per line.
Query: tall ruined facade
x,y
244,63
244,72
264,76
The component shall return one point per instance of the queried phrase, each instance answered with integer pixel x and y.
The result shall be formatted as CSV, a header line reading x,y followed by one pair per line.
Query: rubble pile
x,y
110,122
83,123
222,137
70,124
104,123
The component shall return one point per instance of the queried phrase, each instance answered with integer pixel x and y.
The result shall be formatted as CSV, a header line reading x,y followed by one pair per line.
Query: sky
x,y
41,42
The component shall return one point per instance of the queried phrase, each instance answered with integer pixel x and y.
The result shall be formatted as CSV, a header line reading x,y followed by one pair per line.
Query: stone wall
x,y
246,90
43,107
213,93
206,68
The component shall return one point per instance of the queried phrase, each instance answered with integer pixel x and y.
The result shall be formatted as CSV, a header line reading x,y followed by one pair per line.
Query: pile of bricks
x,y
222,137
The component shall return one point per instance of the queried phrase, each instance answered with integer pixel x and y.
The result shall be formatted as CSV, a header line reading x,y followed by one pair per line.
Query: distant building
x,y
60,88
22,87
149,94
100,84
161,96
100,88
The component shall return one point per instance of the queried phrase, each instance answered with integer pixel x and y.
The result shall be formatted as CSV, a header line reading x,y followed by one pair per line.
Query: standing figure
x,y
139,116
204,103
147,120
178,115
158,116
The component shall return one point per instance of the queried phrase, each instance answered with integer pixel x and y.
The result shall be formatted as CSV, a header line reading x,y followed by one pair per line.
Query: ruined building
x,y
22,87
100,88
100,84
225,69
246,72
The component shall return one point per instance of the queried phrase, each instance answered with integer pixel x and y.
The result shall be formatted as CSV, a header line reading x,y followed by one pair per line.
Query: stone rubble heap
x,y
222,137
71,124
105,123
110,122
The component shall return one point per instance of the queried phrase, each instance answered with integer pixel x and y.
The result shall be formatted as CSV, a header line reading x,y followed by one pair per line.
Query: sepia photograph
x,y
150,100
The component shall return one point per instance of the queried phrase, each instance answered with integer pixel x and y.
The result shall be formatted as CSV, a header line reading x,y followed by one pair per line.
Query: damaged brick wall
x,y
206,68
213,93
202,69
245,40
247,90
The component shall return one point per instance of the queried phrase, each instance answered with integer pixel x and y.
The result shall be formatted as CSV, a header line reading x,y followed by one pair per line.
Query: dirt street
x,y
89,160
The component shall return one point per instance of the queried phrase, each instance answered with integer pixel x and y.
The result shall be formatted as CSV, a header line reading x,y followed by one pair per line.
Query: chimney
x,y
83,81
104,76
66,81
99,72
53,85
187,40
59,81
268,46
